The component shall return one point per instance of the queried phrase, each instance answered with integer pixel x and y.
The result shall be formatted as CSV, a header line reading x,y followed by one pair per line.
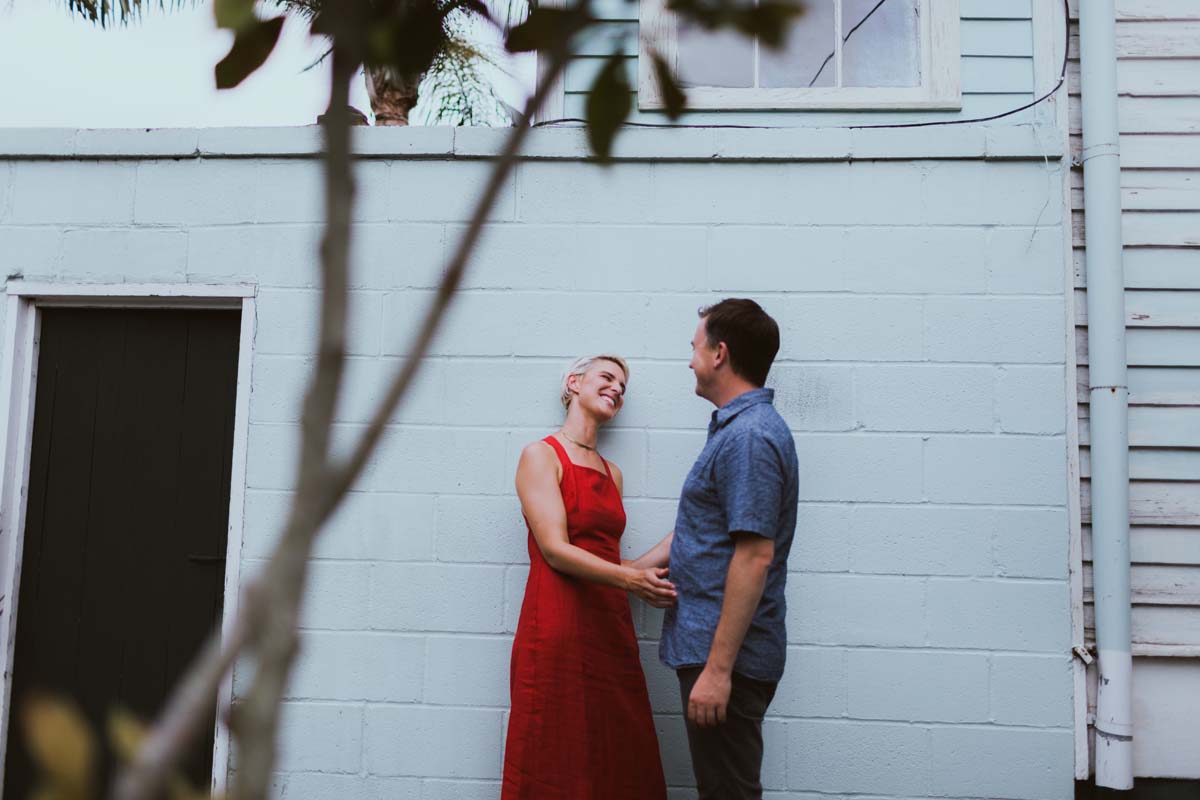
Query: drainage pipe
x,y
1109,392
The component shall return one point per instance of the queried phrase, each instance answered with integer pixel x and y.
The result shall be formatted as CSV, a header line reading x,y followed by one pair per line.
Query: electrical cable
x,y
1062,79
845,39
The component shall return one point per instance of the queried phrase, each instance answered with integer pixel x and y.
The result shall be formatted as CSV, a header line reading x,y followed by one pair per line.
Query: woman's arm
x,y
541,500
656,557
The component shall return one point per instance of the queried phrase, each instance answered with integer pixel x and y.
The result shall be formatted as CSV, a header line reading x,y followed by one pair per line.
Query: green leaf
x,y
708,16
408,44
234,15
673,97
60,743
125,734
608,104
769,21
251,47
545,28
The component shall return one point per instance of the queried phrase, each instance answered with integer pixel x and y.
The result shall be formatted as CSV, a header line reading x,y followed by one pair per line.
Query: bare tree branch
x,y
268,617
189,706
344,476
256,719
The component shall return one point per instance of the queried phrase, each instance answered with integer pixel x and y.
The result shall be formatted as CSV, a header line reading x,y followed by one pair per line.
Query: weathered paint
x,y
1158,50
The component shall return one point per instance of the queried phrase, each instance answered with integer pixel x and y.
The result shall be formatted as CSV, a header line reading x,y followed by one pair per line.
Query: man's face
x,y
703,360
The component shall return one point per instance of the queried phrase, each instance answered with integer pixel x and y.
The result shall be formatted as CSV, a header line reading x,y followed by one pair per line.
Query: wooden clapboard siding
x,y
997,47
1152,268
1158,75
1153,463
1168,544
1153,386
1148,9
1151,150
1158,584
1158,629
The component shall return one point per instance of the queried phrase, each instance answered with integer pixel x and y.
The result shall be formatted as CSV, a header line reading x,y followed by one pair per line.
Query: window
x,y
839,54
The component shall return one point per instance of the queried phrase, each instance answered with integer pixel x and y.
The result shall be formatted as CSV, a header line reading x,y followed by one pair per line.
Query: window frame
x,y
941,68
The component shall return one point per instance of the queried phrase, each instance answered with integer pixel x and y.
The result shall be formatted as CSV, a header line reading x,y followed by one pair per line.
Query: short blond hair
x,y
581,365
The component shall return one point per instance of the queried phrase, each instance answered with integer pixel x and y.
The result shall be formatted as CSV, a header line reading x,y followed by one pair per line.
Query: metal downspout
x,y
1109,392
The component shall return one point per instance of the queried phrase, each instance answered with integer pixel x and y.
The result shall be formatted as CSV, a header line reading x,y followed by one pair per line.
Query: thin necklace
x,y
577,444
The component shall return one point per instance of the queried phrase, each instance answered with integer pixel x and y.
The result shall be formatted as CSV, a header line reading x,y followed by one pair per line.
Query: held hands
x,y
651,585
709,698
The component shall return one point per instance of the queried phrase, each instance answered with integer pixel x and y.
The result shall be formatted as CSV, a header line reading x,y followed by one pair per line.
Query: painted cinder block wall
x,y
922,303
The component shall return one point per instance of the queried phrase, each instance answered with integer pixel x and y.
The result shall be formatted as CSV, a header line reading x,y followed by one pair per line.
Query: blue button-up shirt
x,y
745,480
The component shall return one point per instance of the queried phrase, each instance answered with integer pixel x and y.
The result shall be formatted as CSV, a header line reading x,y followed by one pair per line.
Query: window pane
x,y
715,58
807,57
881,43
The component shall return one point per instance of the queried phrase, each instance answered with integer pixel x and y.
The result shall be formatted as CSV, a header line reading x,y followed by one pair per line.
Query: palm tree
x,y
454,84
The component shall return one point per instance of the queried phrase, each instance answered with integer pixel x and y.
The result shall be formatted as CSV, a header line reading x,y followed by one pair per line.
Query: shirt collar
x,y
722,416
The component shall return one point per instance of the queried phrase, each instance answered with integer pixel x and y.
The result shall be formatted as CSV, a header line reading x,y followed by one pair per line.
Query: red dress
x,y
580,726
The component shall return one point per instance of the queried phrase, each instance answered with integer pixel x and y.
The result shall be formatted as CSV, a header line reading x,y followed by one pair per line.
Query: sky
x,y
63,71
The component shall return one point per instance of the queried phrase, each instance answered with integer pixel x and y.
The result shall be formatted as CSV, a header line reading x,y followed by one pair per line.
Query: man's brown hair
x,y
750,334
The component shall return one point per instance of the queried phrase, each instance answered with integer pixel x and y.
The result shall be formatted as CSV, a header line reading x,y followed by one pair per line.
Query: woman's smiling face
x,y
601,389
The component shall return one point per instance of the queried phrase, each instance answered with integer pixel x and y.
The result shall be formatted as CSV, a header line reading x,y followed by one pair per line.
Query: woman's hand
x,y
651,585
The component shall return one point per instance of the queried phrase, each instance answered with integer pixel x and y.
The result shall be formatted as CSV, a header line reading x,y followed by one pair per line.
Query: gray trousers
x,y
727,759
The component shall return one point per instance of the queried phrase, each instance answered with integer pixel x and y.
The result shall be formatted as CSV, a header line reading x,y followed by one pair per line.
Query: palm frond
x,y
456,91
303,8
119,12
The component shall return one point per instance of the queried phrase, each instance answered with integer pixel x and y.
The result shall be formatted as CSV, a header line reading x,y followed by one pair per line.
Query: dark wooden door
x,y
124,550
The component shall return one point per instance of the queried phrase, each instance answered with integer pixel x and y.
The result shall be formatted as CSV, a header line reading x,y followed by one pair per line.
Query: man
x,y
725,637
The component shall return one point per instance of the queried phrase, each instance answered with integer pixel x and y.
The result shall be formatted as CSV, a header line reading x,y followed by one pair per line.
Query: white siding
x,y
997,70
1158,47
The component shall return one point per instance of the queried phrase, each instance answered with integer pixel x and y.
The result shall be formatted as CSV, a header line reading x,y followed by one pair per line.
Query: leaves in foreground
x,y
234,15
608,104
122,12
546,29
62,748
673,98
768,19
251,46
125,735
65,752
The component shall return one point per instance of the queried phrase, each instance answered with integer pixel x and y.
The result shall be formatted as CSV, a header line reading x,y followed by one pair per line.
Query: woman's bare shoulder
x,y
539,455
617,476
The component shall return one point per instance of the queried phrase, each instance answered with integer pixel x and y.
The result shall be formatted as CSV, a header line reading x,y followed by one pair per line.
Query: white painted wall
x,y
922,303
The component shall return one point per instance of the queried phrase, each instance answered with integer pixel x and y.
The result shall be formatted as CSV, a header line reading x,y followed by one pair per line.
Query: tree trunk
x,y
392,94
271,601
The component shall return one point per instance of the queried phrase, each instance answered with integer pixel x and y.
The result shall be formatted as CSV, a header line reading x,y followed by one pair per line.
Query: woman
x,y
580,727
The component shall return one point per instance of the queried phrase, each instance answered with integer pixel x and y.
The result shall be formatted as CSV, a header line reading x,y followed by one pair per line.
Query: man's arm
x,y
744,586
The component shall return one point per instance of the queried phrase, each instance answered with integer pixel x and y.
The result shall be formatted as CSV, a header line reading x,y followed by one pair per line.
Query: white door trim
x,y
18,382
1049,24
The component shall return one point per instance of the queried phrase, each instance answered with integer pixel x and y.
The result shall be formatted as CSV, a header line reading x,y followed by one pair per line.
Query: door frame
x,y
18,385
1049,21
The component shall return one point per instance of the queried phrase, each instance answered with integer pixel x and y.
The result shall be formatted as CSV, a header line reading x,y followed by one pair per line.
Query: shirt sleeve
x,y
749,478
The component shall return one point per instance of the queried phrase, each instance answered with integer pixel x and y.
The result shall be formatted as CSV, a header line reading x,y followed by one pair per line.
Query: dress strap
x,y
566,459
560,450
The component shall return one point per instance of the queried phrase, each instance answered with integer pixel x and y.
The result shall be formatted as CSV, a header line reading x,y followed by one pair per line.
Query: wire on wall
x,y
1062,79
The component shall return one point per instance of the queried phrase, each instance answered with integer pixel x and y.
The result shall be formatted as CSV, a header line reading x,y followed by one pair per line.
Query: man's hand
x,y
709,698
